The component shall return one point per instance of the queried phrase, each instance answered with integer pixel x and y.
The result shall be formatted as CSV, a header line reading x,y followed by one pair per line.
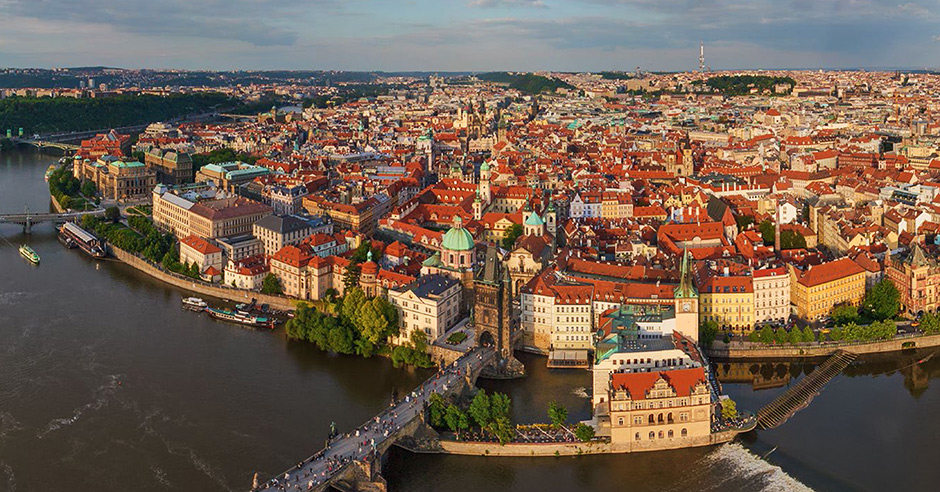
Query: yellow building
x,y
726,295
817,289
660,410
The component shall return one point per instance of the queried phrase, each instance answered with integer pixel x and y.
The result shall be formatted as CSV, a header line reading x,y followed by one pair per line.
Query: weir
x,y
784,406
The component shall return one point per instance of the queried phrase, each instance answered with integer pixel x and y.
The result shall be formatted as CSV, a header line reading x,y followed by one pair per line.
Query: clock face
x,y
686,306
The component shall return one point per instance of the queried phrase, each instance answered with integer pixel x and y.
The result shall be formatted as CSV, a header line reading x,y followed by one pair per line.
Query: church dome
x,y
370,268
485,166
458,238
534,220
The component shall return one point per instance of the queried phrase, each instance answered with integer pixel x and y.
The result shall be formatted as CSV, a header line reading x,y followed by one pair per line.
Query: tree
x,y
480,409
500,406
766,228
111,213
930,323
707,330
743,221
844,314
557,414
352,302
271,284
780,336
883,300
89,189
510,235
351,277
729,409
502,428
455,419
808,334
792,240
436,409
372,325
753,336
65,202
584,432
766,335
795,336
341,339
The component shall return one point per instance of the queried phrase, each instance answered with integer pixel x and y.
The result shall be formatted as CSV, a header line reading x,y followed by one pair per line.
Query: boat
x,y
85,240
52,168
29,254
194,303
241,317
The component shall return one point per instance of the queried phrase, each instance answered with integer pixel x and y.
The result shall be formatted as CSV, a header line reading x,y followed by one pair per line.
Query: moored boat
x,y
194,303
85,240
29,254
241,317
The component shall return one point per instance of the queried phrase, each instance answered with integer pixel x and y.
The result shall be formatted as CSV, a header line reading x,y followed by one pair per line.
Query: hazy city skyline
x,y
473,35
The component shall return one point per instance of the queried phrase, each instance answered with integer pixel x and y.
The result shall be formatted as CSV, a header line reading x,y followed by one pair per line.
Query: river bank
x,y
757,351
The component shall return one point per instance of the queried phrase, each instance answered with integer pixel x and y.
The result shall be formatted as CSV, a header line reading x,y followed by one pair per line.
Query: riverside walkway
x,y
784,406
363,443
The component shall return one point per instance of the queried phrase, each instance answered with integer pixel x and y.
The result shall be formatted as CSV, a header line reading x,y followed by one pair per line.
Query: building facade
x,y
429,305
661,409
817,289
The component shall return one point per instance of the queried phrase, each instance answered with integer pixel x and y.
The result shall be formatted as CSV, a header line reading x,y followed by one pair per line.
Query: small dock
x,y
784,406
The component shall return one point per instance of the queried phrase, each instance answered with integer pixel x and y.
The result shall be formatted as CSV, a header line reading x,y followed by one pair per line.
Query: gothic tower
x,y
686,301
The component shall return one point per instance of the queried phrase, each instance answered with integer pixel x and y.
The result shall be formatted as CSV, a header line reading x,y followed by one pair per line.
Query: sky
x,y
470,35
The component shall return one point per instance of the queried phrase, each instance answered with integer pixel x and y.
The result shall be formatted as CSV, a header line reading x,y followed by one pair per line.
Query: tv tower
x,y
701,57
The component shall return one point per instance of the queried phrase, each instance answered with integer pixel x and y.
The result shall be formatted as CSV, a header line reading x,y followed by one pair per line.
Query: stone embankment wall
x,y
240,295
518,449
738,350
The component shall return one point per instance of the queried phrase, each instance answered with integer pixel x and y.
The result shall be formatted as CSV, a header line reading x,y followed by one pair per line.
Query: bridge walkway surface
x,y
315,472
784,406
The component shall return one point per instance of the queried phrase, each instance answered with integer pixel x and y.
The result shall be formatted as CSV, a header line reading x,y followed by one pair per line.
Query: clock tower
x,y
686,301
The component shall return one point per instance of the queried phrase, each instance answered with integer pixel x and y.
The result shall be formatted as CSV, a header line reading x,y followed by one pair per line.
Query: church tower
x,y
477,207
686,301
486,194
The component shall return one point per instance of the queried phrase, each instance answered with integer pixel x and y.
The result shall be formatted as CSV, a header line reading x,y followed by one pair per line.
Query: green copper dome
x,y
457,238
534,220
485,166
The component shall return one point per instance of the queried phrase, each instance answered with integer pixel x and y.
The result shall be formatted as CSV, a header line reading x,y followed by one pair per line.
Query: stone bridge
x,y
347,464
27,219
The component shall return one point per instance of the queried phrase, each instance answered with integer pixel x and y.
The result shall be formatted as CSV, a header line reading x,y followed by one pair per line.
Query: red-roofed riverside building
x,y
660,410
246,273
194,249
817,289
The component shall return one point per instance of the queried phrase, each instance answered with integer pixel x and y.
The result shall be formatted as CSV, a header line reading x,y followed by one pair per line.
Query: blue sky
x,y
469,34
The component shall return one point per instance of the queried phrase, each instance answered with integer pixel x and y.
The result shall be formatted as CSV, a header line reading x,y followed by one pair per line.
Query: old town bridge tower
x,y
492,306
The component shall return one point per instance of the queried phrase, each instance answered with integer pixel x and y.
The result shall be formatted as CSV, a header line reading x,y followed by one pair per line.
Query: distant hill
x,y
737,85
528,83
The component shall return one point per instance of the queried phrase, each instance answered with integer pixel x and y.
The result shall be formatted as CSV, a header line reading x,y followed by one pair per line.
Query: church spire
x,y
686,288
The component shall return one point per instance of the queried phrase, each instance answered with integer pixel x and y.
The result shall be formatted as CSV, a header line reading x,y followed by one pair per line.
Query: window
x,y
652,435
685,432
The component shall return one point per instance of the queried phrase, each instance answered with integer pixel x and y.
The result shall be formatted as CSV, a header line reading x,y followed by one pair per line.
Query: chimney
x,y
726,271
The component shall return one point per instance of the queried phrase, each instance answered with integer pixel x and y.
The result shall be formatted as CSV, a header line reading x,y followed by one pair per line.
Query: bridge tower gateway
x,y
28,225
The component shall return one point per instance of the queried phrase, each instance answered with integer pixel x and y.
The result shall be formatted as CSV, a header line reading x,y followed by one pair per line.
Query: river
x,y
106,384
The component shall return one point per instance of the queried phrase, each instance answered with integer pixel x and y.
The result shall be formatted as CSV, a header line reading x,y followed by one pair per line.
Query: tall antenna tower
x,y
701,57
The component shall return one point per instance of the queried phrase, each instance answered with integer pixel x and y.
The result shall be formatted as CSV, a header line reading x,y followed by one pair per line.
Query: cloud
x,y
257,22
508,3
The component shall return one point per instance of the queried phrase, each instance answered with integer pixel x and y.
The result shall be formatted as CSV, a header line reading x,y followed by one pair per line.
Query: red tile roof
x,y
637,384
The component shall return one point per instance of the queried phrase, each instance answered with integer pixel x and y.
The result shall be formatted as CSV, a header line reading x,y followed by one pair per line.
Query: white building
x,y
429,304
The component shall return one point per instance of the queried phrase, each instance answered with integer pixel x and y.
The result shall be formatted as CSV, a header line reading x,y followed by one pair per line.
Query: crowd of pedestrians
x,y
362,443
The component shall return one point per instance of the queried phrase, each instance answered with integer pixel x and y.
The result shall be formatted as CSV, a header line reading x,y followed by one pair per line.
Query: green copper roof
x,y
534,220
433,261
485,166
457,238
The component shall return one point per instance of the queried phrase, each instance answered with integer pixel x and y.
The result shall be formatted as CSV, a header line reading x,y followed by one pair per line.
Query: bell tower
x,y
686,301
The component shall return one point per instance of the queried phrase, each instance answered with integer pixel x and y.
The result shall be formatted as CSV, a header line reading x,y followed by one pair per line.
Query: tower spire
x,y
701,57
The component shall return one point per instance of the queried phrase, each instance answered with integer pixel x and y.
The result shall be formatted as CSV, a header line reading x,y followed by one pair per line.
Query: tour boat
x,y
29,254
241,317
194,303
72,235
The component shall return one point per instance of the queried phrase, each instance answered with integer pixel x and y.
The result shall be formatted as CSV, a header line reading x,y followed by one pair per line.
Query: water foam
x,y
102,396
733,467
580,392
